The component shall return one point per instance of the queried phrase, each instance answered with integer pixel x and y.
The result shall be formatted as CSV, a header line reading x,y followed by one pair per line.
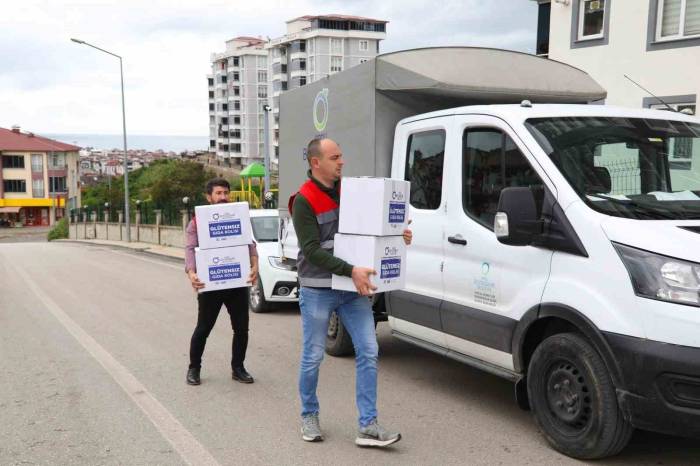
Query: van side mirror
x,y
516,222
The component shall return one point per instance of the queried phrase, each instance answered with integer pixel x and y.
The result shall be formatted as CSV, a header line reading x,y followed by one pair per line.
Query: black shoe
x,y
193,376
242,375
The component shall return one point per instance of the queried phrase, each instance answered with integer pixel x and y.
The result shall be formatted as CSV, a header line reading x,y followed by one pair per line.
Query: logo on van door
x,y
321,110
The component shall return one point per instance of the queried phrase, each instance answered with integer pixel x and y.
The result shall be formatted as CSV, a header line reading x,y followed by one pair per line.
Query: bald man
x,y
314,210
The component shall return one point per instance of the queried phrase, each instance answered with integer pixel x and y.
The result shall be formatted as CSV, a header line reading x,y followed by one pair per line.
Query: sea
x,y
134,141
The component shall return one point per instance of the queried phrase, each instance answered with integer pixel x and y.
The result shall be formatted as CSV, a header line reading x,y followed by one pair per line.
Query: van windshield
x,y
627,167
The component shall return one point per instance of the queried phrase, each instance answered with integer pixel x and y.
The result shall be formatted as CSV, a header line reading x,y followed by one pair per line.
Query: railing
x,y
250,197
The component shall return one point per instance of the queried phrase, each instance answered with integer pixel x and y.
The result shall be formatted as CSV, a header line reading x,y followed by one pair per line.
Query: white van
x,y
557,246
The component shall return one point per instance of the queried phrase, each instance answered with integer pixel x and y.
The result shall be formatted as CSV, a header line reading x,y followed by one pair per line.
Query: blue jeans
x,y
355,312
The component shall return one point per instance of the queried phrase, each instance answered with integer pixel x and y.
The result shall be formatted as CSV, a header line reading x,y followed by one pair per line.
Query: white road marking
x,y
191,451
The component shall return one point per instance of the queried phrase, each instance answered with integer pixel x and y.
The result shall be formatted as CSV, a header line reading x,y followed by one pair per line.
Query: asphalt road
x,y
93,355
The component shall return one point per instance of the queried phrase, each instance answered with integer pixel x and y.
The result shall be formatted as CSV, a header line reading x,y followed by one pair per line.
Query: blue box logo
x,y
225,229
397,212
219,273
390,268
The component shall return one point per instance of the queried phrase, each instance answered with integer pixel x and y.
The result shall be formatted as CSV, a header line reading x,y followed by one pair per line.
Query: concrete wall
x,y
163,235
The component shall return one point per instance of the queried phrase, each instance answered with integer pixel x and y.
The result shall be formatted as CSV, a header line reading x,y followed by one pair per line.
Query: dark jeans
x,y
236,302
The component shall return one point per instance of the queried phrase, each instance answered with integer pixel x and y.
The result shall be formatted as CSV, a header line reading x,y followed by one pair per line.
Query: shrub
x,y
60,230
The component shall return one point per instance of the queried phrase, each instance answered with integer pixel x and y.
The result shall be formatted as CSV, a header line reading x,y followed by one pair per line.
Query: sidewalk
x,y
177,253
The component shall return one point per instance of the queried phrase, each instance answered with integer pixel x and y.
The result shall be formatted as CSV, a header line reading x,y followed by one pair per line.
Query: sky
x,y
49,84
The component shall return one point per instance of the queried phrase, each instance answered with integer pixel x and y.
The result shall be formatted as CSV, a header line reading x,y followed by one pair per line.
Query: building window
x,y
310,46
38,188
57,184
590,23
57,161
262,92
262,62
262,76
591,19
211,107
543,15
210,81
236,76
336,64
12,161
302,81
678,19
336,46
364,46
676,102
211,94
236,61
14,186
212,143
37,163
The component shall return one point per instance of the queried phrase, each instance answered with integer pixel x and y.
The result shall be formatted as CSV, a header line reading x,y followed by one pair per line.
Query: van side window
x,y
490,162
424,162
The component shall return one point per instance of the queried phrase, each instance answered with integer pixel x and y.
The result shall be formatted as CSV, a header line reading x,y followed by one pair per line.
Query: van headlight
x,y
660,277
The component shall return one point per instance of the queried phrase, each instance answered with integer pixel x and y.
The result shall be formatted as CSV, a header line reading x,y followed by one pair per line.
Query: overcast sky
x,y
51,85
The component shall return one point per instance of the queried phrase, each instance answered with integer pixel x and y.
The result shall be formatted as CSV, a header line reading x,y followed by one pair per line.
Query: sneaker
x,y
374,435
310,428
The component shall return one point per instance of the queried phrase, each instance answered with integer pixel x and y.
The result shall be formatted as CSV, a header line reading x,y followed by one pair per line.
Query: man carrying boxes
x,y
221,260
315,213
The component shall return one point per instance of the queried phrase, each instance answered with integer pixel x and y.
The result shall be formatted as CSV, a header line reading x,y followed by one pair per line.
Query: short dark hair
x,y
220,182
313,149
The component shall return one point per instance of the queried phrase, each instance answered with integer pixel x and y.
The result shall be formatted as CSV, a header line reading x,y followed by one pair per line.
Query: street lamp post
x,y
266,126
126,167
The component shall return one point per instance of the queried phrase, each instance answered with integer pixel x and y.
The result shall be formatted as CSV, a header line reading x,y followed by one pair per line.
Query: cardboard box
x,y
385,254
374,206
221,225
223,268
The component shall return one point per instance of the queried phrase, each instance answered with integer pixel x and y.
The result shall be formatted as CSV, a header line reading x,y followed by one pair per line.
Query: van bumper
x,y
661,384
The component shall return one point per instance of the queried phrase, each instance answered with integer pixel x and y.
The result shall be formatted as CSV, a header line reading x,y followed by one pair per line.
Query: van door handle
x,y
457,240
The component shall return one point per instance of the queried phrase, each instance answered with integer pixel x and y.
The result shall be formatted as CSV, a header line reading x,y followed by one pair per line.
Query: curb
x,y
138,249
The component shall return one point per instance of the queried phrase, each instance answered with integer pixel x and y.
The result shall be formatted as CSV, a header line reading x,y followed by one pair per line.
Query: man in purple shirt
x,y
235,300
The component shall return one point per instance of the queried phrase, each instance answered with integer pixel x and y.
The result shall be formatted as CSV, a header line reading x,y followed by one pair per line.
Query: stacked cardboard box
x,y
224,232
373,216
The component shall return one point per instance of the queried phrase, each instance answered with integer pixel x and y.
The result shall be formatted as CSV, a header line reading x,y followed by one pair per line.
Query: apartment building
x,y
654,42
238,90
315,47
38,178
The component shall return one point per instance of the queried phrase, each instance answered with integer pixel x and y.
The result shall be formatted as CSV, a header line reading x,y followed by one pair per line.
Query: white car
x,y
277,279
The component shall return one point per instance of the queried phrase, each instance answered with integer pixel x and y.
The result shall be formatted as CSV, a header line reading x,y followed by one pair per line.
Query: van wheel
x,y
338,340
256,298
573,399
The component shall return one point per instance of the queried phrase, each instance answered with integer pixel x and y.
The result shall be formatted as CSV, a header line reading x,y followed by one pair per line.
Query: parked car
x,y
277,279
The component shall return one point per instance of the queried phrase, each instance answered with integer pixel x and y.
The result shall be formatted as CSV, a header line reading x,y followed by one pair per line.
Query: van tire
x,y
573,399
338,340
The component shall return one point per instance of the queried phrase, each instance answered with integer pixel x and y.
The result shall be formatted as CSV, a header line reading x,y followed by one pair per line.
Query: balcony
x,y
297,73
297,56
